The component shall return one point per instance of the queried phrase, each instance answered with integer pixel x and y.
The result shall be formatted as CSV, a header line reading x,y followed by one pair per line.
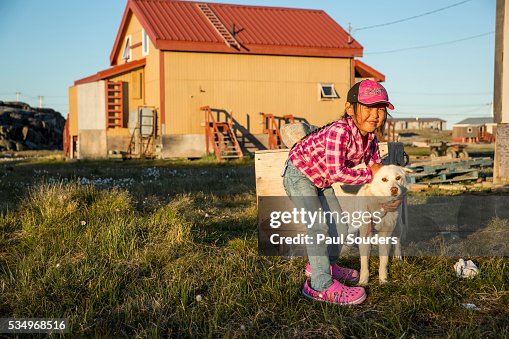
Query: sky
x,y
437,55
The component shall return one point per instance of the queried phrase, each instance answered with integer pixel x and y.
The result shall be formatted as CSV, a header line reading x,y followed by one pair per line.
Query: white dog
x,y
388,184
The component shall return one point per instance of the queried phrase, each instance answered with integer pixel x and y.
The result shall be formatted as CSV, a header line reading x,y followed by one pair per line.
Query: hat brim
x,y
389,105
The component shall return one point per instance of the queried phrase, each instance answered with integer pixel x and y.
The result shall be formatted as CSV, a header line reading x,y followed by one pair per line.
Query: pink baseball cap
x,y
368,92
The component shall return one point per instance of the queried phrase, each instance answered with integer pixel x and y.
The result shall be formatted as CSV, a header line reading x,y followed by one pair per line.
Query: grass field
x,y
169,249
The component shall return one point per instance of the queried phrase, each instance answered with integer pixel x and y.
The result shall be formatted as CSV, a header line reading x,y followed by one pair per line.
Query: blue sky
x,y
46,45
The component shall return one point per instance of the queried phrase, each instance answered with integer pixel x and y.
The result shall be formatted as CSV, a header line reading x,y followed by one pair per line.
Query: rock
x,y
6,144
24,127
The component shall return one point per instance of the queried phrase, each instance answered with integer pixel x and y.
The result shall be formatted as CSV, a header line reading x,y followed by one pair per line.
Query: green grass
x,y
418,151
172,252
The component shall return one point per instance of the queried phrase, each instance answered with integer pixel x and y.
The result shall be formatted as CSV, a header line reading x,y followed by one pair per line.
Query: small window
x,y
144,42
126,56
469,129
327,91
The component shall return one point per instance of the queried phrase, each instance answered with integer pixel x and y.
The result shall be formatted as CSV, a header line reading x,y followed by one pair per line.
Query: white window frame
x,y
127,49
323,96
145,42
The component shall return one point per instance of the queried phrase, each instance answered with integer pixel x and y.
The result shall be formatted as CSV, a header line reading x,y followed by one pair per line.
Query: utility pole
x,y
40,101
18,94
501,94
349,33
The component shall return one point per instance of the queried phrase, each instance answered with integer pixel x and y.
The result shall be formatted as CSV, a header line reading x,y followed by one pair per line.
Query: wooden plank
x,y
445,176
451,180
482,162
268,167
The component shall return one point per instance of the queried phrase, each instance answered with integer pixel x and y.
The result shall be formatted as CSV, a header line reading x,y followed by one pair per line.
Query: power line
x,y
474,106
441,94
441,105
441,115
441,112
412,17
472,112
433,45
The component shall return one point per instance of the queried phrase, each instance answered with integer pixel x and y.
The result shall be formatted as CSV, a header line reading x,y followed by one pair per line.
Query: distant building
x,y
418,123
474,130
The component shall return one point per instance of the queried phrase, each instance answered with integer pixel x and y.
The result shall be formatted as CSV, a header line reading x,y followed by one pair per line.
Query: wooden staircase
x,y
142,142
114,104
227,36
271,127
222,136
486,137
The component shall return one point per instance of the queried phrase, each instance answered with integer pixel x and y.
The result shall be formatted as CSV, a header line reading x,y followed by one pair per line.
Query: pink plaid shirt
x,y
328,155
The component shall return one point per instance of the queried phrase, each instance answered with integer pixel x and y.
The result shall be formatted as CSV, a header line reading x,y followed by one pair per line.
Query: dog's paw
x,y
363,279
363,282
383,278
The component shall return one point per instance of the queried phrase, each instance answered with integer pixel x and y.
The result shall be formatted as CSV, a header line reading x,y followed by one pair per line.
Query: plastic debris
x,y
472,307
466,269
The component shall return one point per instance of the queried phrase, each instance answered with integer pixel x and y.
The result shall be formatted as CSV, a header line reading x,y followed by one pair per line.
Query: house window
x,y
469,129
126,56
327,91
144,42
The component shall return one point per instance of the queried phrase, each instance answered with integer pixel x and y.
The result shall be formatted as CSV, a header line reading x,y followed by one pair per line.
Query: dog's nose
x,y
394,190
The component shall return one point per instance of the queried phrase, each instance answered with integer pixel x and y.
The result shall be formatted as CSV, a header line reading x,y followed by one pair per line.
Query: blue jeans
x,y
305,195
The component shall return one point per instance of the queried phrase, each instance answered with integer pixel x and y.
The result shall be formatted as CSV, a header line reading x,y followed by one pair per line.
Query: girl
x,y
324,157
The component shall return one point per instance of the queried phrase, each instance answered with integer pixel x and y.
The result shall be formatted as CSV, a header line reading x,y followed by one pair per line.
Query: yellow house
x,y
172,58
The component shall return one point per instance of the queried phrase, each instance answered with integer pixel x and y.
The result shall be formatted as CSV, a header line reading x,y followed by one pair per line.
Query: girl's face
x,y
367,118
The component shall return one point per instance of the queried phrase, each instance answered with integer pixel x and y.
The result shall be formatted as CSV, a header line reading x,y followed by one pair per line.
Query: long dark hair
x,y
379,131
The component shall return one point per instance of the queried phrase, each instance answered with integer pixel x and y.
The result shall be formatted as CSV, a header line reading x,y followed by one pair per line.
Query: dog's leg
x,y
383,252
364,250
398,233
397,250
402,229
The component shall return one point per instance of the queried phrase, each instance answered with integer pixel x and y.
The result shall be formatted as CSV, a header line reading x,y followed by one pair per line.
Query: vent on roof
x,y
218,25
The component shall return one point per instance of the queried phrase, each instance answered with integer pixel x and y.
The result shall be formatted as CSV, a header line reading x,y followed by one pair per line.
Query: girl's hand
x,y
391,206
374,168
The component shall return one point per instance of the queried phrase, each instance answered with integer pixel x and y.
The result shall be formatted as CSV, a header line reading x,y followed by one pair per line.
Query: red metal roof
x,y
365,71
112,71
181,26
